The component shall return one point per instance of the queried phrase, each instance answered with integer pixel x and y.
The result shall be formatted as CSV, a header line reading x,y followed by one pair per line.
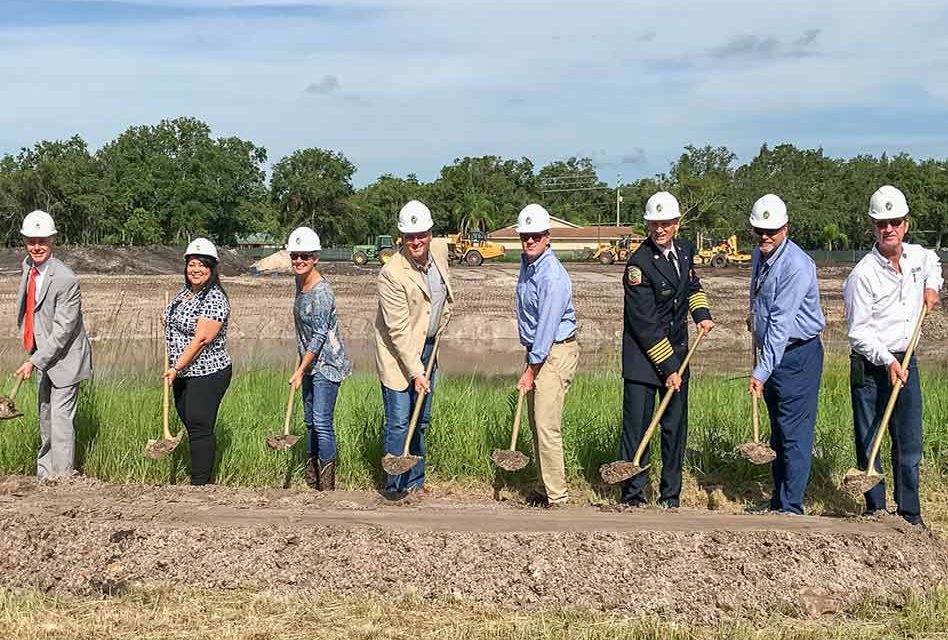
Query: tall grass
x,y
471,416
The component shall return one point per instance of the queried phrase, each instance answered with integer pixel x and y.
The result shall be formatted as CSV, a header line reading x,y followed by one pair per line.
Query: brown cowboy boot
x,y
311,474
327,476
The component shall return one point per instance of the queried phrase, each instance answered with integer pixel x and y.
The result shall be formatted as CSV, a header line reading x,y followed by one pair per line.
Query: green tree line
x,y
165,183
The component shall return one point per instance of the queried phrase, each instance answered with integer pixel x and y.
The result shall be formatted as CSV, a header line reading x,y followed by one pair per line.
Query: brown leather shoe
x,y
327,476
311,474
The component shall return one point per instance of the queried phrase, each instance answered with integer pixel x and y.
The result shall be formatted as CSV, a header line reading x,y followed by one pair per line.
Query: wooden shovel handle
x,y
890,406
516,421
664,404
420,401
755,401
165,401
16,387
289,411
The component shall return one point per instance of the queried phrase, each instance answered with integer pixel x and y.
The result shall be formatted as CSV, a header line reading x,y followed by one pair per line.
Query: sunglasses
x,y
766,232
536,237
882,224
301,256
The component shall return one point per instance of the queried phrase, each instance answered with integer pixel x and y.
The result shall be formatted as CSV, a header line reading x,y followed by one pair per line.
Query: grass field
x,y
472,415
152,613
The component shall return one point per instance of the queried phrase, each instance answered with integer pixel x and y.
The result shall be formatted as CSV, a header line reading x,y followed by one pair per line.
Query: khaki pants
x,y
545,411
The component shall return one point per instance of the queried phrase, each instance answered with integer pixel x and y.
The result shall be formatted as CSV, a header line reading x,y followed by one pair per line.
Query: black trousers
x,y
638,405
197,400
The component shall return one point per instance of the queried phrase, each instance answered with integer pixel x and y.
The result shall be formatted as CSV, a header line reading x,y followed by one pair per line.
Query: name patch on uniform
x,y
633,276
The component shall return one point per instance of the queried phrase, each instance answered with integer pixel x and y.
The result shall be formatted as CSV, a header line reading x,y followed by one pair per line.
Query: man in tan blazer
x,y
415,293
49,312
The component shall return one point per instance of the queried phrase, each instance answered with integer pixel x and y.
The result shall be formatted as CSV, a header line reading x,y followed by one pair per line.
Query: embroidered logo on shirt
x,y
633,276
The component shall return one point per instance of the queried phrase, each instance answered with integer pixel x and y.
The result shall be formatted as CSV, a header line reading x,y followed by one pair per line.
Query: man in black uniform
x,y
660,288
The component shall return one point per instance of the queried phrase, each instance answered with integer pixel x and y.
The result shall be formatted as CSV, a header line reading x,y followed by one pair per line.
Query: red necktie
x,y
28,340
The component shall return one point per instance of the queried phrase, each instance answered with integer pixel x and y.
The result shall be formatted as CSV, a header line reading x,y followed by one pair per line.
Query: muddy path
x,y
84,536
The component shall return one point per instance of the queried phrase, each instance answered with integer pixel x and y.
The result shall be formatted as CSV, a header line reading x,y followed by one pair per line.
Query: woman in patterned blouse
x,y
196,338
324,362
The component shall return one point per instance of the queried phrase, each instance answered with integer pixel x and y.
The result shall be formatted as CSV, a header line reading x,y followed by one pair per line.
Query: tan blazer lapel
x,y
414,274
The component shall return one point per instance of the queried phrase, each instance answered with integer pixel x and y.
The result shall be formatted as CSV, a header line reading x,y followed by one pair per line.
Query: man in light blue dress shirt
x,y
546,322
786,320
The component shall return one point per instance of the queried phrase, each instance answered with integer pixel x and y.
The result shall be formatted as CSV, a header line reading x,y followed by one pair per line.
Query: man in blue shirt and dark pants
x,y
786,321
546,322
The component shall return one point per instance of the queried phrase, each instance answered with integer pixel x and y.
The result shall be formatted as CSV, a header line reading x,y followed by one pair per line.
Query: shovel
x,y
622,470
286,440
397,465
756,452
8,410
511,459
156,449
856,482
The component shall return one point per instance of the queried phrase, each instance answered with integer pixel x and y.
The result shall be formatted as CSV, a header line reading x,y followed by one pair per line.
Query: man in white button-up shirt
x,y
884,295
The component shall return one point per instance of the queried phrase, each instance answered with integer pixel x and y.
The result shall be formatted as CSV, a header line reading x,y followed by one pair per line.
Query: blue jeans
x,y
791,394
319,404
869,387
398,406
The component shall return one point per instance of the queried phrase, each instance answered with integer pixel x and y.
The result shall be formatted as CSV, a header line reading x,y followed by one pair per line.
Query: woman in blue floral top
x,y
324,362
196,338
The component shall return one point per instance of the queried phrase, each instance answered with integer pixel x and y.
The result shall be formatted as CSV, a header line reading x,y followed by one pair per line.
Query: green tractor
x,y
383,249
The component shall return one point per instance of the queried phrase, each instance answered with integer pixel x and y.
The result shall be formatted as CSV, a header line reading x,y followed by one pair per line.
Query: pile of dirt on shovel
x,y
82,536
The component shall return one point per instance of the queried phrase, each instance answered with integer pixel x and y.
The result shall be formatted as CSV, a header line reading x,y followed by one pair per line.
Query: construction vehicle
x,y
609,252
472,247
383,249
721,254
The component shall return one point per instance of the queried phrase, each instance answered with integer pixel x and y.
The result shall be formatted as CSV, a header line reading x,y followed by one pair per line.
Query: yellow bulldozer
x,y
721,254
617,250
472,247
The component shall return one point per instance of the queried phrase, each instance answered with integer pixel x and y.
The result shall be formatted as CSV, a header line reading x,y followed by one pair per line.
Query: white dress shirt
x,y
672,257
40,276
883,305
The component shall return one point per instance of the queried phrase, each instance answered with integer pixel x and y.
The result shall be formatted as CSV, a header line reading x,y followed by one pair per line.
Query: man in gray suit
x,y
50,315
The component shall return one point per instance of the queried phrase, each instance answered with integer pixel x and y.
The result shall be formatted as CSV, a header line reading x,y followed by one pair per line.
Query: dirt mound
x,y
83,536
150,260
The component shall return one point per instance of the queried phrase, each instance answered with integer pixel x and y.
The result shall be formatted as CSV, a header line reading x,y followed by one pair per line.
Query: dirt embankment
x,y
84,536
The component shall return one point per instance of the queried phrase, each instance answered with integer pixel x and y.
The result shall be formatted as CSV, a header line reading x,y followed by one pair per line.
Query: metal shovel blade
x,y
620,470
282,442
856,482
756,452
8,410
397,465
155,449
509,460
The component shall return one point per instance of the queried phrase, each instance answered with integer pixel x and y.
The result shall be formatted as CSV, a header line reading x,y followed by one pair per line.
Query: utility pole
x,y
618,195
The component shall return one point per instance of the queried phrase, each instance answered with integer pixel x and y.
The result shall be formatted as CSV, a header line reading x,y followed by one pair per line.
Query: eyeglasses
x,y
301,256
536,237
882,224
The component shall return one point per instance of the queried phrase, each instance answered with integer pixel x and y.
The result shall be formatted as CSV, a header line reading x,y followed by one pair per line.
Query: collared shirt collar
x,y
536,263
883,261
422,269
41,269
776,253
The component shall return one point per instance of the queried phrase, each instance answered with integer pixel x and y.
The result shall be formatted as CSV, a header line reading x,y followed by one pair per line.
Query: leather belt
x,y
572,338
793,344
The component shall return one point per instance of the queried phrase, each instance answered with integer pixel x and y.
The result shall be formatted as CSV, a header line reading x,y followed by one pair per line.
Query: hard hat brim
x,y
887,215
412,229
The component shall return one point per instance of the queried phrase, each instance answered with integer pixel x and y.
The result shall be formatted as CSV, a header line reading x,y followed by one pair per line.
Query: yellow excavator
x,y
472,247
722,254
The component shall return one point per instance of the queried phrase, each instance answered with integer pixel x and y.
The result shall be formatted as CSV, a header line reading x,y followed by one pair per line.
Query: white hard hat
x,y
888,203
414,217
201,247
303,240
769,212
662,206
533,219
38,224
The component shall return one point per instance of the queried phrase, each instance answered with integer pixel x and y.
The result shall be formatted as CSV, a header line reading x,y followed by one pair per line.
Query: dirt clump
x,y
509,460
756,452
616,472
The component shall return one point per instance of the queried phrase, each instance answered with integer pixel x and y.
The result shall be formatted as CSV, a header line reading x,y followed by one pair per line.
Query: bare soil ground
x,y
82,536
121,311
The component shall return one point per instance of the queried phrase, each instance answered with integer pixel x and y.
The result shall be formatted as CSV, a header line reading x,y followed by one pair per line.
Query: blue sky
x,y
405,86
